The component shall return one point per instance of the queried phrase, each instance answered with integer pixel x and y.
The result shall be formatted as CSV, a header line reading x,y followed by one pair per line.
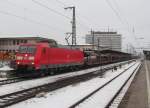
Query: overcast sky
x,y
26,18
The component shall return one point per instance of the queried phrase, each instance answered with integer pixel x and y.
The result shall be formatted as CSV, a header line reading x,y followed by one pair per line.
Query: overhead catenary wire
x,y
126,21
82,22
119,10
60,2
33,12
21,7
122,19
50,9
27,19
63,4
83,19
116,13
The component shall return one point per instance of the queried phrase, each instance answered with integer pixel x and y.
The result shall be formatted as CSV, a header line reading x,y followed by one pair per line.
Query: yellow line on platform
x,y
148,83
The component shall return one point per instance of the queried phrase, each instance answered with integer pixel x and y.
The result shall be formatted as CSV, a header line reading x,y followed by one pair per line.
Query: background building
x,y
109,40
12,44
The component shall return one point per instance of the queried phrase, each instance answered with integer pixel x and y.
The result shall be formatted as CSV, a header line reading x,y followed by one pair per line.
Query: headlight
x,y
31,58
19,57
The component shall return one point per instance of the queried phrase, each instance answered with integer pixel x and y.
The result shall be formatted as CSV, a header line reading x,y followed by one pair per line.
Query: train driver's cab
x,y
26,54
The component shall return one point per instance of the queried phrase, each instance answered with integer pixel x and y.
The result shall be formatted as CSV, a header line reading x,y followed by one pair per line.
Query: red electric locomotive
x,y
44,55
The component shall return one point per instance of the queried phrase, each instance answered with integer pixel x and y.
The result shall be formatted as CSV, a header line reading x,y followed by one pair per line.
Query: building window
x,y
5,42
21,41
17,42
14,42
2,42
10,42
25,41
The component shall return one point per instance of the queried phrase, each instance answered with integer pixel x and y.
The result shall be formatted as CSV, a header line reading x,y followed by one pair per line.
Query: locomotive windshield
x,y
27,49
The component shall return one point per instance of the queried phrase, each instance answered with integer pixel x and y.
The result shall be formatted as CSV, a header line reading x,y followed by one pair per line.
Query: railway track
x,y
22,78
11,80
111,103
13,98
115,101
19,79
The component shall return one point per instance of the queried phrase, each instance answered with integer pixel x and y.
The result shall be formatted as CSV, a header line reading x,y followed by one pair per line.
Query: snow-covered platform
x,y
138,94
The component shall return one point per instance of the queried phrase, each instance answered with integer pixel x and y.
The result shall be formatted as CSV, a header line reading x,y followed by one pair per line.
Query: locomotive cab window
x,y
27,49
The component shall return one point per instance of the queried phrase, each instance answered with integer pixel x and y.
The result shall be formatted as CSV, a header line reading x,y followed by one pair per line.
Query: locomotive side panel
x,y
59,57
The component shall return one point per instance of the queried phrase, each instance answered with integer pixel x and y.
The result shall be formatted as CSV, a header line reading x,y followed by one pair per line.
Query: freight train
x,y
44,56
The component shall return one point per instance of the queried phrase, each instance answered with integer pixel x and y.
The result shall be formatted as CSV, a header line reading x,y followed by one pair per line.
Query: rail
x,y
98,89
13,98
22,78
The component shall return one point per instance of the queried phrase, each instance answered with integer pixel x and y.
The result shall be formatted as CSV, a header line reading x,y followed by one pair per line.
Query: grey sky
x,y
97,14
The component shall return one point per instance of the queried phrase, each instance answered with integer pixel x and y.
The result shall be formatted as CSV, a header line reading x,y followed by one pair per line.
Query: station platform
x,y
138,93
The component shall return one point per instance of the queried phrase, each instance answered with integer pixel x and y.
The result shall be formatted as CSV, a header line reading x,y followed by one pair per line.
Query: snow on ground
x,y
4,71
3,79
101,98
5,68
10,88
63,98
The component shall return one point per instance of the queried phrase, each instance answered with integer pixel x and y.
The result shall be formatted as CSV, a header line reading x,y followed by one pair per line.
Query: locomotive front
x,y
25,57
